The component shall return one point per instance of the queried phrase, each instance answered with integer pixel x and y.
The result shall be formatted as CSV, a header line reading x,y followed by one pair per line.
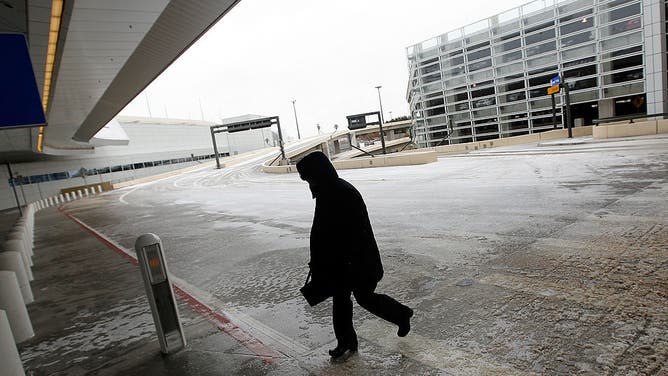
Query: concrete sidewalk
x,y
91,316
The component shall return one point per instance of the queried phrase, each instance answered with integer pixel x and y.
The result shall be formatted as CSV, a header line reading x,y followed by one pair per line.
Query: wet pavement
x,y
519,260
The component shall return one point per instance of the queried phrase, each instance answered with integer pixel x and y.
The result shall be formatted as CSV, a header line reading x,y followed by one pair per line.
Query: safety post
x,y
151,257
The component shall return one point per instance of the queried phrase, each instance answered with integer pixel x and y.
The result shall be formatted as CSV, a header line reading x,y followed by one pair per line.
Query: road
x,y
517,260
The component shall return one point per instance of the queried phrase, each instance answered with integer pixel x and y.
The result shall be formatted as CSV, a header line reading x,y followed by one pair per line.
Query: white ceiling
x,y
108,53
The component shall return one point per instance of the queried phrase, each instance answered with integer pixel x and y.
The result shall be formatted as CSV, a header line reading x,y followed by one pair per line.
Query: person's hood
x,y
318,171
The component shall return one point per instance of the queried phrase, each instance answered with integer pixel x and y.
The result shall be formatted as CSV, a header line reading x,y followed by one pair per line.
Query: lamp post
x,y
382,135
299,137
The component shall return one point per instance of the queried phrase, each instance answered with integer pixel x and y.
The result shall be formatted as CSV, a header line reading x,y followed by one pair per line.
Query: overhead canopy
x,y
107,52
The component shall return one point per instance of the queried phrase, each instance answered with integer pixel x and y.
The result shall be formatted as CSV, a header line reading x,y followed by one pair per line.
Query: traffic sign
x,y
553,89
555,80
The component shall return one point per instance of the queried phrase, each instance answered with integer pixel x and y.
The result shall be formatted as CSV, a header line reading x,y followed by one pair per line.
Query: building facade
x,y
489,79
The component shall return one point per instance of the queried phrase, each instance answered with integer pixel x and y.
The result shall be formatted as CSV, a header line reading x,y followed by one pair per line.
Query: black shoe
x,y
405,325
340,350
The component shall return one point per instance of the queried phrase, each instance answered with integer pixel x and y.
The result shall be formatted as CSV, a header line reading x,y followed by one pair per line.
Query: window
x,y
542,80
430,69
572,40
517,55
513,97
620,77
620,27
585,60
434,102
539,37
510,86
583,84
484,102
622,63
542,48
479,54
585,23
625,51
622,41
480,65
578,52
510,45
543,60
581,71
619,13
453,62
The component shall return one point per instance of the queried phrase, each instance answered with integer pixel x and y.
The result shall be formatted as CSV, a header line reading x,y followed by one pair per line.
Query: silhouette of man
x,y
344,254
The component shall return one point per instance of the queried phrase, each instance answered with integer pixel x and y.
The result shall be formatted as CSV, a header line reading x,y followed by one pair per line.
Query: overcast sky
x,y
326,55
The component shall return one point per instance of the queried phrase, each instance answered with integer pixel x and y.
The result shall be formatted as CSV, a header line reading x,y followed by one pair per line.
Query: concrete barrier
x,y
642,128
12,303
662,126
13,245
13,262
9,355
397,159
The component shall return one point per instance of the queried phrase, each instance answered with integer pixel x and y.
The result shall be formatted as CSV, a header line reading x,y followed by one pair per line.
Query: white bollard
x,y
62,198
9,355
17,234
67,196
86,192
13,245
11,302
51,203
99,189
80,194
13,262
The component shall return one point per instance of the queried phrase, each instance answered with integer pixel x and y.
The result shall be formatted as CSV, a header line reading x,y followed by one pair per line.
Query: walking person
x,y
344,254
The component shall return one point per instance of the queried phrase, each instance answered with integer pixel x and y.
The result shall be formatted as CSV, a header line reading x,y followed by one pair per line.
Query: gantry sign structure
x,y
246,125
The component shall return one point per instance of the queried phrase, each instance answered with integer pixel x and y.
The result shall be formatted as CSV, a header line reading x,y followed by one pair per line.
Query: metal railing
x,y
630,118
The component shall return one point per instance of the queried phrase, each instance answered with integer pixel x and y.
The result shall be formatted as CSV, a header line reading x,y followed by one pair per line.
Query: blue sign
x,y
20,102
555,81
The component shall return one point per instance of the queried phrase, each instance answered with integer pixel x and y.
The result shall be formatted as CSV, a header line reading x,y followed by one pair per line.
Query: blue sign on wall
x,y
20,102
555,80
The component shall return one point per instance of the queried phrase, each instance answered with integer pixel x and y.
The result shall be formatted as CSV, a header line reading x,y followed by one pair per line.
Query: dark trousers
x,y
380,305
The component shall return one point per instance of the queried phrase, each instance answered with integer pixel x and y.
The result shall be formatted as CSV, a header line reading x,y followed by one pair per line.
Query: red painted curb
x,y
221,321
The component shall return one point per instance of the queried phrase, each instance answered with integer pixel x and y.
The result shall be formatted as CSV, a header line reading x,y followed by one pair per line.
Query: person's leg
x,y
342,319
384,307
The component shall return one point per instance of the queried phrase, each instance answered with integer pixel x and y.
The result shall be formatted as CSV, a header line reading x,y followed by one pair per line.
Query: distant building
x,y
489,79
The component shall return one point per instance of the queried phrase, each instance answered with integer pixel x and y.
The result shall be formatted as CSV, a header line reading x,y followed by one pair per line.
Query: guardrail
x,y
628,117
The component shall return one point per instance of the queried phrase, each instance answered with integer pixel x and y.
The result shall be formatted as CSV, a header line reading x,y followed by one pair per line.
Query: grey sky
x,y
326,55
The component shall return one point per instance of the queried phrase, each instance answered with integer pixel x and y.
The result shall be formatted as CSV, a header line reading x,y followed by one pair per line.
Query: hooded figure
x,y
344,253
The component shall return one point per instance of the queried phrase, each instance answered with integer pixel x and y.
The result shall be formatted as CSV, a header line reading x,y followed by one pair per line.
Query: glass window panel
x,y
583,84
452,46
484,102
484,113
510,69
585,22
540,16
434,102
505,28
621,52
575,5
619,13
513,97
510,86
541,103
542,80
454,71
430,69
453,62
576,16
572,40
479,54
517,55
613,4
584,96
516,107
537,93
482,92
622,63
587,70
435,111
480,65
582,61
541,48
478,77
432,87
551,69
506,37
544,60
575,53
454,82
620,27
620,77
624,90
622,41
428,54
457,97
539,37
507,46
432,78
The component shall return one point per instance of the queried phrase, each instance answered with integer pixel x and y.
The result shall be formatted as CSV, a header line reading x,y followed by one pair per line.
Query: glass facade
x,y
490,79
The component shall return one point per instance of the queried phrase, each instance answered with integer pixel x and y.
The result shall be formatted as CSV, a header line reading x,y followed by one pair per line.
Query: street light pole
x,y
382,135
299,137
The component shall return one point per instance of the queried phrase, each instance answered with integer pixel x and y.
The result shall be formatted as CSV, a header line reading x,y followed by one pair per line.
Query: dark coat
x,y
344,253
